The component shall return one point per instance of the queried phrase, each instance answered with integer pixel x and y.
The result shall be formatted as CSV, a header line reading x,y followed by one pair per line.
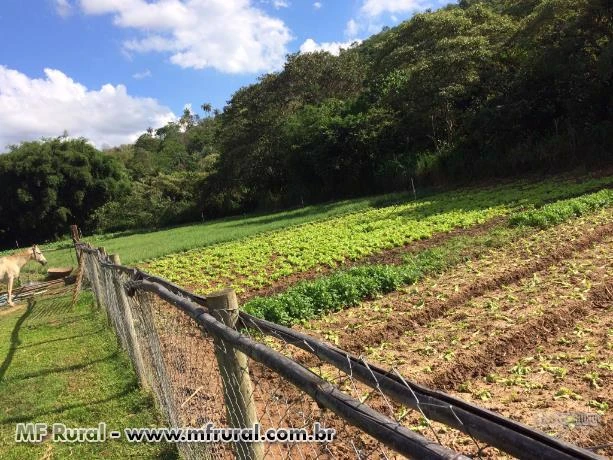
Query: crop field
x,y
503,297
525,330
256,251
252,264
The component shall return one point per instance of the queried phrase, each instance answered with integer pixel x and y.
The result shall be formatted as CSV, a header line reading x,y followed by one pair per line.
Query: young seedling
x,y
521,368
601,406
558,372
593,378
567,393
483,395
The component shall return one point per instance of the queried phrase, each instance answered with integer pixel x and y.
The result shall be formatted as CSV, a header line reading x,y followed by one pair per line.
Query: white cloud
x,y
374,8
63,8
277,4
317,5
231,36
45,107
310,46
352,28
140,75
372,13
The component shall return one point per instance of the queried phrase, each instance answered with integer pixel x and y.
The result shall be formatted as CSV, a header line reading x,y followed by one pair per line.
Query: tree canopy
x,y
478,89
46,186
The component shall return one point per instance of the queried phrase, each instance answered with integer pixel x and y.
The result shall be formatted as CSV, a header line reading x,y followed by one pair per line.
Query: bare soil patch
x,y
388,318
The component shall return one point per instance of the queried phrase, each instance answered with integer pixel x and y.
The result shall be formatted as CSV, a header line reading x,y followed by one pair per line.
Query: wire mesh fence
x,y
210,365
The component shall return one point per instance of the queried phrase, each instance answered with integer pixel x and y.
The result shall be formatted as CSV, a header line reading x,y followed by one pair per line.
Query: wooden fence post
x,y
135,352
74,232
238,390
78,282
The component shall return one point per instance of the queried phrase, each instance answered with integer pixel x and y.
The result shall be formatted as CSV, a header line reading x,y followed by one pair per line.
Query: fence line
x,y
172,335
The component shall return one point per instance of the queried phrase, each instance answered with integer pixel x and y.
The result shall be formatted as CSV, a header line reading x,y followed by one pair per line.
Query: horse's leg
x,y
11,290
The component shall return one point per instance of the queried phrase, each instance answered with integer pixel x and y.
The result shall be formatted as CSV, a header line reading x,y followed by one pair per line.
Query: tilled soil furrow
x,y
503,349
392,330
560,385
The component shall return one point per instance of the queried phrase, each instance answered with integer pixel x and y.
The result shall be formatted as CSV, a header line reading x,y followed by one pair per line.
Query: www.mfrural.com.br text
x,y
209,433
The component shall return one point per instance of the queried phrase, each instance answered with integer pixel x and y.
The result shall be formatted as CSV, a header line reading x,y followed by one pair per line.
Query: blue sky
x,y
108,69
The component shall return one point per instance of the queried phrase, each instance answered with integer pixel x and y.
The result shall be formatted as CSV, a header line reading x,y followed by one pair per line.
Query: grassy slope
x,y
141,246
60,365
138,247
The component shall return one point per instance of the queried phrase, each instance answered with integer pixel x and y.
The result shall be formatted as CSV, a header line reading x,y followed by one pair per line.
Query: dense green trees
x,y
48,185
168,167
155,201
478,89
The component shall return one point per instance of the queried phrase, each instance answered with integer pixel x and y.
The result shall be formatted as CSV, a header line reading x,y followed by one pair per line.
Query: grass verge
x,y
63,365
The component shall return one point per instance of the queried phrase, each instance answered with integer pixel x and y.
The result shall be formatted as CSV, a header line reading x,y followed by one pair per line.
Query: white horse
x,y
10,266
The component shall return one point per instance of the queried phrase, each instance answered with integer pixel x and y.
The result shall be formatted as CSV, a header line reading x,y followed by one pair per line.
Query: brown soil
x,y
518,301
568,373
388,318
497,351
197,395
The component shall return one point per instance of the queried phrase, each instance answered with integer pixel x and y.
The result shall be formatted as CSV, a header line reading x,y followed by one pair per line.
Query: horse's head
x,y
38,256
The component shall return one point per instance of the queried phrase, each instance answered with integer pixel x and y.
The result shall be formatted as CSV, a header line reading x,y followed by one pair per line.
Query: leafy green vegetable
x,y
558,212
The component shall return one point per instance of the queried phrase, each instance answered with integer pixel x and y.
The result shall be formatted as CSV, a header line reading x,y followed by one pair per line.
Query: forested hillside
x,y
475,90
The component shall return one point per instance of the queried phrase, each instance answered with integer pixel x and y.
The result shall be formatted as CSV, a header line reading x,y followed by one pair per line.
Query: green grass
x,y
63,365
